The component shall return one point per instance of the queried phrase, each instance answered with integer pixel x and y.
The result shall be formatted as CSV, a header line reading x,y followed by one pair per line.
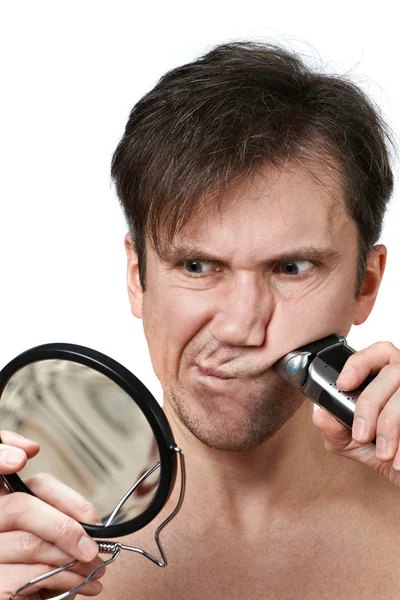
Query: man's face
x,y
273,269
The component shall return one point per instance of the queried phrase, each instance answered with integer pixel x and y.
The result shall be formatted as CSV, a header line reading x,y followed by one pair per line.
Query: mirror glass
x,y
93,437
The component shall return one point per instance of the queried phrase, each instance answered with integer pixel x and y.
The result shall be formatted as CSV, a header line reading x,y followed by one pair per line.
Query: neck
x,y
290,470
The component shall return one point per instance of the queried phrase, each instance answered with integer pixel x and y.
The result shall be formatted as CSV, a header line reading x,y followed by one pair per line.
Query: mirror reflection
x,y
93,436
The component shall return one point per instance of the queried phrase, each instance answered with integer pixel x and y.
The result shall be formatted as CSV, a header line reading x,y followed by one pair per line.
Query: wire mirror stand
x,y
114,548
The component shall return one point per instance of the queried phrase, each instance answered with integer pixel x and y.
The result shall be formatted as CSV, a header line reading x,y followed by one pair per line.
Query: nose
x,y
244,311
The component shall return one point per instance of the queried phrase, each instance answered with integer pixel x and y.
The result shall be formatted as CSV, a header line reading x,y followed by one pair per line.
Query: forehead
x,y
287,206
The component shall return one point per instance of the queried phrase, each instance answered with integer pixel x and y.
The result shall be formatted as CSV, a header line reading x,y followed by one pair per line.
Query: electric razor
x,y
315,369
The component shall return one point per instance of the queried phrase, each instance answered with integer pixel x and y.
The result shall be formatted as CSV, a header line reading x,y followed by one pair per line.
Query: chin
x,y
225,423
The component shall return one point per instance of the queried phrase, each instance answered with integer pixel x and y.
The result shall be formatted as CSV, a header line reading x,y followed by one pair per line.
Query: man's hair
x,y
211,123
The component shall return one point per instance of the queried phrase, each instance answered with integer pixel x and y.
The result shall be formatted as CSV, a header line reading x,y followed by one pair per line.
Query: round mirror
x,y
100,431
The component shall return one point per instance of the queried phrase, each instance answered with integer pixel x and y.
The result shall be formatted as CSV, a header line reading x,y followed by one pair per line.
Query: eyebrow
x,y
187,251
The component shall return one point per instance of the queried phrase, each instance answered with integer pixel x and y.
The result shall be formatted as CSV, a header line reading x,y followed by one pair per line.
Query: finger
x,y
27,548
85,569
18,575
336,435
12,459
21,511
365,362
48,595
371,404
388,430
337,439
11,438
14,451
61,496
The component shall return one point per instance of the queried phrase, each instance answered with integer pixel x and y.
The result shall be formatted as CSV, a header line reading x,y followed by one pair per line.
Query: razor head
x,y
294,366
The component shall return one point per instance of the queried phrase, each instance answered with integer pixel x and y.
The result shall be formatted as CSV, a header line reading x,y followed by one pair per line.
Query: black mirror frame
x,y
139,394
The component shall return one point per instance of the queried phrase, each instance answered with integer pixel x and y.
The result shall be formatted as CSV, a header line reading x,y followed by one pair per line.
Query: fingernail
x,y
16,435
346,375
88,547
12,457
381,446
359,428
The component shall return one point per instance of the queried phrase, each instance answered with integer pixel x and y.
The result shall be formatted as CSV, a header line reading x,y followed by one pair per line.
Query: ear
x,y
373,277
135,291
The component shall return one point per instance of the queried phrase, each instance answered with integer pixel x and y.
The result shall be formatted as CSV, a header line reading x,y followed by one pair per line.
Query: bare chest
x,y
343,560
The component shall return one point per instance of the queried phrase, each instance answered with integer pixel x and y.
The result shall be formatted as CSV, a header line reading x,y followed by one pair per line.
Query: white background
x,y
70,73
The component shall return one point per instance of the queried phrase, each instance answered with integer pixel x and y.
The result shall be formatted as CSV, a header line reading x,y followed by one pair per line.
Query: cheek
x,y
171,319
318,312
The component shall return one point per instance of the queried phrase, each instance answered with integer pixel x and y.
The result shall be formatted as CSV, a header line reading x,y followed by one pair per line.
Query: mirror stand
x,y
114,548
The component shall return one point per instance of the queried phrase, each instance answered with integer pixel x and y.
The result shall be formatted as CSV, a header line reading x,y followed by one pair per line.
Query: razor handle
x,y
315,369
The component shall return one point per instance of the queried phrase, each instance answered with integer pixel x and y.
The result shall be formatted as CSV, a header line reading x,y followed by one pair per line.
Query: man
x,y
255,191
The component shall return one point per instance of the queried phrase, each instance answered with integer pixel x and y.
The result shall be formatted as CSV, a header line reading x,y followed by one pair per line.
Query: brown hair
x,y
209,123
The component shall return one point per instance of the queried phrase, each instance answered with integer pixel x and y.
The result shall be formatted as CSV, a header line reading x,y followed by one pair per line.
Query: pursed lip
x,y
210,372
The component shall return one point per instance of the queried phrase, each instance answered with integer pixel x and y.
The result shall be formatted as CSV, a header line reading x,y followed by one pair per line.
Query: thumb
x,y
337,436
11,459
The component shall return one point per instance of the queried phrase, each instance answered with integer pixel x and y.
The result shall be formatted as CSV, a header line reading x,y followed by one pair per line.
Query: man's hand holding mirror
x,y
102,465
39,535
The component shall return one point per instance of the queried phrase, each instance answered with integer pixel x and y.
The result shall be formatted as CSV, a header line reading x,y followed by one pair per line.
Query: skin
x,y
214,335
40,535
258,474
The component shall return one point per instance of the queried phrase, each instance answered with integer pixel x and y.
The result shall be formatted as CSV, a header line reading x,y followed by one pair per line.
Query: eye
x,y
199,268
295,267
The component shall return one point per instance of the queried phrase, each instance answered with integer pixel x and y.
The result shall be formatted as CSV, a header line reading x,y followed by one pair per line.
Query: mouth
x,y
214,373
